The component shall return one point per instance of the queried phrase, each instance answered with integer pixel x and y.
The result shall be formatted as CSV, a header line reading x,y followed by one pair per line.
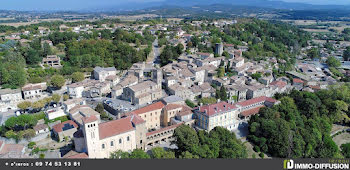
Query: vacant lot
x,y
342,139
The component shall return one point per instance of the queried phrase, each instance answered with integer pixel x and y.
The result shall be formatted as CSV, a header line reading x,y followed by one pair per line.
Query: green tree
x,y
77,77
221,72
24,105
346,54
139,154
57,81
345,150
186,138
190,103
160,153
56,98
333,62
119,155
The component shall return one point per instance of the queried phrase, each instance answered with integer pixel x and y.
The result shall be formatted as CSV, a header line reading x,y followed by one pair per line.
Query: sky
x,y
89,4
322,2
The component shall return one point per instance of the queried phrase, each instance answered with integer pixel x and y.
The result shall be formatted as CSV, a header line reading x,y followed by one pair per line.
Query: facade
x,y
103,139
250,107
102,73
78,113
65,129
151,114
219,48
143,93
34,91
41,128
9,99
218,114
10,96
52,61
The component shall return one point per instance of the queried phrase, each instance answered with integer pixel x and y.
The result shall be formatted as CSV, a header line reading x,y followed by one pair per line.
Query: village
x,y
140,107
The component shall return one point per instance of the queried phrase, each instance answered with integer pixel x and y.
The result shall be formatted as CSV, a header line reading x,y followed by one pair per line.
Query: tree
x,y
346,54
139,154
77,77
99,108
24,105
190,103
313,53
333,62
21,122
65,97
160,153
38,105
221,72
186,138
119,155
223,94
56,98
57,81
256,76
345,150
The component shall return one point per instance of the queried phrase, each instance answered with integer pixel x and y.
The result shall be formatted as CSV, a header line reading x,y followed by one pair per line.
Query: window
x,y
103,146
112,143
120,140
128,138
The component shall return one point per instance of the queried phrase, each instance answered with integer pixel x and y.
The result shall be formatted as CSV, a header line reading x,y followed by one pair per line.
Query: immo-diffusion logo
x,y
289,164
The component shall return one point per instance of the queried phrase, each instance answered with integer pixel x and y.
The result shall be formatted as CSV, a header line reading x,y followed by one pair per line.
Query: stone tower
x,y
92,136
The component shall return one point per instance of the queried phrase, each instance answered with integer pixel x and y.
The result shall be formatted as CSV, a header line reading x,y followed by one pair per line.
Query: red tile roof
x,y
213,109
78,156
89,119
58,128
149,108
163,129
251,111
280,84
137,119
172,106
115,127
251,101
295,80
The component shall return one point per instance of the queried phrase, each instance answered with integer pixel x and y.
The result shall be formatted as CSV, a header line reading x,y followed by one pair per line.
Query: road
x,y
156,52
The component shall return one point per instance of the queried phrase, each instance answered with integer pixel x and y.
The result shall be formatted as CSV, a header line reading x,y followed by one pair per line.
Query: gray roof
x,y
100,69
172,99
9,91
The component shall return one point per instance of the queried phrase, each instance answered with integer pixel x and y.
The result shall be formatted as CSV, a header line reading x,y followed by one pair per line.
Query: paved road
x,y
5,115
156,52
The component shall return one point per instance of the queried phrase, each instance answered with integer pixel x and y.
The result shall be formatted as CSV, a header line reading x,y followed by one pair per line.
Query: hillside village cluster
x,y
148,102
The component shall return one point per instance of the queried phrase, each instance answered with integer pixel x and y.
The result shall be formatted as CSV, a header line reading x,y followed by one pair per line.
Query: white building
x,y
102,73
104,138
34,91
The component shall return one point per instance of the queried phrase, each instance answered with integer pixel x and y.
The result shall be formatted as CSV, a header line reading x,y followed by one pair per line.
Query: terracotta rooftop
x,y
89,119
295,80
11,150
172,106
115,127
280,84
251,111
69,123
151,107
251,101
78,156
137,119
213,109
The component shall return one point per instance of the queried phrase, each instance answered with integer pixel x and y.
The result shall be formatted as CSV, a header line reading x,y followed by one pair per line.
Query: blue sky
x,y
88,4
